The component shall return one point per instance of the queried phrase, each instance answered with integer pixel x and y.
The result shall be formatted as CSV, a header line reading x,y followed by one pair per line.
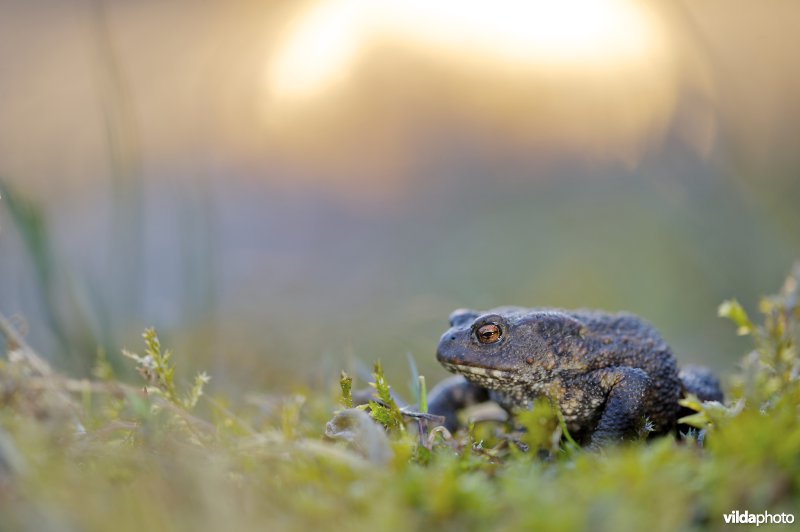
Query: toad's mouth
x,y
476,370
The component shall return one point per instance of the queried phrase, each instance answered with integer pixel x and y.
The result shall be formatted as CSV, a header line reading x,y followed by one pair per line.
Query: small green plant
x,y
385,411
774,365
346,384
157,369
771,371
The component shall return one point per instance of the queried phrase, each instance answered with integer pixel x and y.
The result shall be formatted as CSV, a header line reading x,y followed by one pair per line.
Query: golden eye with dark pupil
x,y
489,333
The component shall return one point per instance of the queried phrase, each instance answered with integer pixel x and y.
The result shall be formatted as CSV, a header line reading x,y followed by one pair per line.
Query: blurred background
x,y
283,188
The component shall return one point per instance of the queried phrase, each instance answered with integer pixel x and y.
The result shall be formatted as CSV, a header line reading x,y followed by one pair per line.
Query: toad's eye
x,y
489,333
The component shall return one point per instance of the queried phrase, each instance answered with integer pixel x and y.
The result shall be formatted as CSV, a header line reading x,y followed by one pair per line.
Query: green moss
x,y
102,454
346,384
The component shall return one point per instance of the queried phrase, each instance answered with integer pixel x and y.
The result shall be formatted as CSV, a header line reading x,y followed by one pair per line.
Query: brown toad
x,y
606,372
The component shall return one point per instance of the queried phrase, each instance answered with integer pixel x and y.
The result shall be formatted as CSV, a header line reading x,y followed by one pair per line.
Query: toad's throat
x,y
478,371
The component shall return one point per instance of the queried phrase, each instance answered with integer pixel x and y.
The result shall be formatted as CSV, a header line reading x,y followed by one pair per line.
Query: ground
x,y
96,454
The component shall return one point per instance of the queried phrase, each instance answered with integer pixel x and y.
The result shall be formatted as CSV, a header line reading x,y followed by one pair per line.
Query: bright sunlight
x,y
323,47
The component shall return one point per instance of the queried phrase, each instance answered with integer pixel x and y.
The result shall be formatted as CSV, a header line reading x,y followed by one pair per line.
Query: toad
x,y
607,373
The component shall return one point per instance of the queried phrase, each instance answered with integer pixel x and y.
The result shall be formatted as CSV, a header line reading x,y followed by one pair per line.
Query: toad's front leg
x,y
622,413
452,395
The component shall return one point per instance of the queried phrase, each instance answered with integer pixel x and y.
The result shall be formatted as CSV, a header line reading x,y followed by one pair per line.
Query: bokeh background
x,y
286,188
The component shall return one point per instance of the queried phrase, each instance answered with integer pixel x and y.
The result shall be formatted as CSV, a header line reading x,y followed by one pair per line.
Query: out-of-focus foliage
x,y
102,454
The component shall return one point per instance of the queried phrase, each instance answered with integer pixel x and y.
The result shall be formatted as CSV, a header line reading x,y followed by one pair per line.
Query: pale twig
x,y
119,390
17,343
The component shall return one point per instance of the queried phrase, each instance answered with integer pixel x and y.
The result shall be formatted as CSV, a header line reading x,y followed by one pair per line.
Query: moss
x,y
102,454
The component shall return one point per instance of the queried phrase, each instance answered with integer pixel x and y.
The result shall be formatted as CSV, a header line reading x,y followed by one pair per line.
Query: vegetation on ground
x,y
103,454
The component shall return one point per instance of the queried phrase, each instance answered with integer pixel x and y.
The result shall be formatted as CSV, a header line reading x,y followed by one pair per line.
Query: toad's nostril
x,y
453,337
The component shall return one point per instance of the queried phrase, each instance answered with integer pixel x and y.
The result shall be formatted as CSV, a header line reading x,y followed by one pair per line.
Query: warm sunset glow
x,y
319,50
322,48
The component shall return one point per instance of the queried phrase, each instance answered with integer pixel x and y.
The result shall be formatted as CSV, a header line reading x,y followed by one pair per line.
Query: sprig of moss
x,y
708,413
385,412
346,384
158,370
772,370
774,364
